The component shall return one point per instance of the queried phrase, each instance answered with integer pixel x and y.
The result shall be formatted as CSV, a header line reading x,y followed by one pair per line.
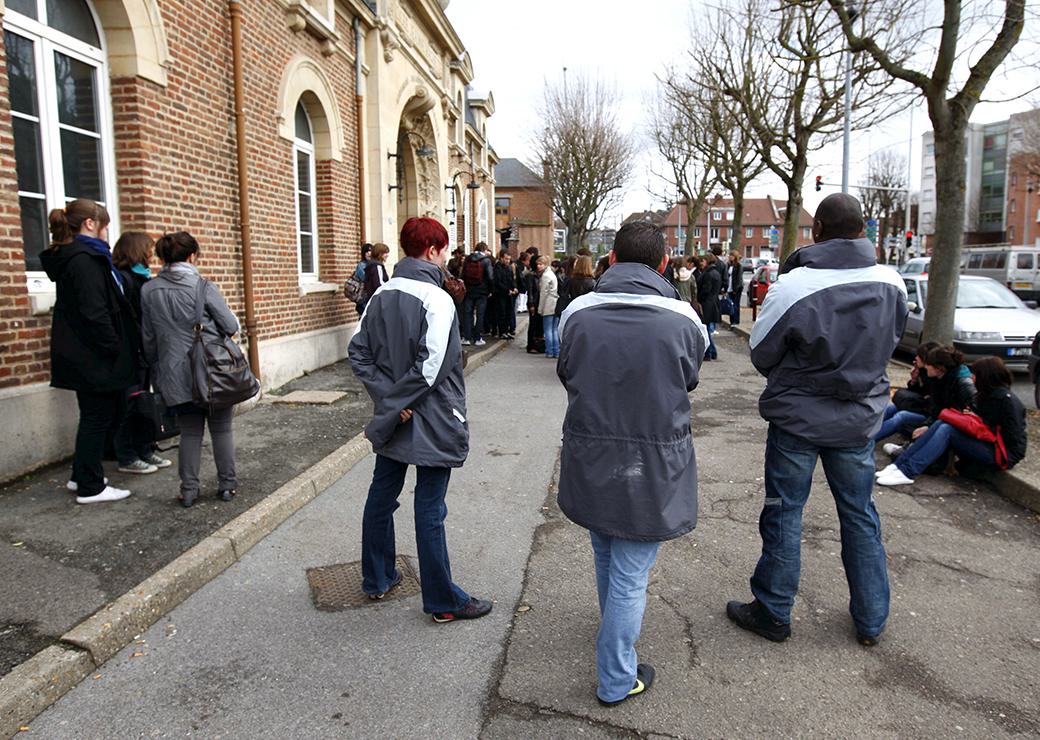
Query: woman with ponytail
x,y
94,341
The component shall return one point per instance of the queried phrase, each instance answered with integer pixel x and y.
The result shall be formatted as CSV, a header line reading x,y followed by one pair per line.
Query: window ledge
x,y
42,295
300,16
317,287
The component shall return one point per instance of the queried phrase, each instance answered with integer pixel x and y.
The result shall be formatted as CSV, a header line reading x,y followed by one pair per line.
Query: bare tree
x,y
738,163
883,37
783,72
680,132
885,194
585,156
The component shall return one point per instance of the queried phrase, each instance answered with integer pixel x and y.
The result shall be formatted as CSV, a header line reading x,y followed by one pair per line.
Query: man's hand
x,y
918,432
406,416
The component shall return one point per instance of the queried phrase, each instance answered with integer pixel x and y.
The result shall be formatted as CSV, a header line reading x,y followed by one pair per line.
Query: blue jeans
x,y
931,445
896,420
622,571
378,546
472,330
551,328
790,462
711,352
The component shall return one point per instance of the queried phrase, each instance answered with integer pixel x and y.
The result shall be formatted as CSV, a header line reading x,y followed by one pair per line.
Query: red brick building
x,y
131,103
715,226
522,210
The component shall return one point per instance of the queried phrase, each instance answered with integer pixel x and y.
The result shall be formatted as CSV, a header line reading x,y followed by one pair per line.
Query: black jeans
x,y
127,440
472,330
505,315
98,412
534,331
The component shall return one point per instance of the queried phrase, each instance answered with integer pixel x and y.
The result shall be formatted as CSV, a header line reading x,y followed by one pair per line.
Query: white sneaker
x,y
466,343
479,343
894,478
891,449
889,469
159,462
74,486
109,494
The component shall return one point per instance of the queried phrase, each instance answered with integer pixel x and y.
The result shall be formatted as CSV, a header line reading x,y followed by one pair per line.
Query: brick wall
x,y
529,207
176,169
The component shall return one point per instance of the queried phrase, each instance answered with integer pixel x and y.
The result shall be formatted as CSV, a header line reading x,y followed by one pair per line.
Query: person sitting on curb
x,y
628,472
909,406
823,338
997,407
407,352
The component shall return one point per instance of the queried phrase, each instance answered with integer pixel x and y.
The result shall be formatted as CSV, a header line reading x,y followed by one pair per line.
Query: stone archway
x,y
417,164
135,37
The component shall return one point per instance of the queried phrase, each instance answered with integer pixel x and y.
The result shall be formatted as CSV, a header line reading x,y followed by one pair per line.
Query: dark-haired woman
x,y
168,305
949,385
709,285
131,255
910,406
94,339
998,409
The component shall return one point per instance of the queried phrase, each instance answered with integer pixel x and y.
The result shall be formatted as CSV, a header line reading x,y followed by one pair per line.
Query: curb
x,y
1009,484
34,685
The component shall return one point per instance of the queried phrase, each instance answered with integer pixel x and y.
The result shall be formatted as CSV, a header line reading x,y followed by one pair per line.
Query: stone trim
x,y
135,39
304,75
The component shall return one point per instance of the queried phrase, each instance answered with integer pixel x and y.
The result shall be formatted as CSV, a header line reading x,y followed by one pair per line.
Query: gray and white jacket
x,y
407,352
630,353
823,338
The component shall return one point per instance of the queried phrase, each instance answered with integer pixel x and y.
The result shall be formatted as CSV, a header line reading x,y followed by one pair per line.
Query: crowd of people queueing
x,y
118,331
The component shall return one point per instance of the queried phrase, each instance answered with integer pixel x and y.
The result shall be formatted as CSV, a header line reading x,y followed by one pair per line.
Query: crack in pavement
x,y
693,650
956,568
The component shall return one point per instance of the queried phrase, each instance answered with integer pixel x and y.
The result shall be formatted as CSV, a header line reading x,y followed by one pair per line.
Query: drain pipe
x,y
235,9
359,104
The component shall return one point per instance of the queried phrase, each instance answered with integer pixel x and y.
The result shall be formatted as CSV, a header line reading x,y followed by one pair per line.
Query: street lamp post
x,y
847,137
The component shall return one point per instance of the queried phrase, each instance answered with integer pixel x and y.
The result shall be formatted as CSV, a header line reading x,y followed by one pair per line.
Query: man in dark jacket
x,y
406,351
823,339
734,286
628,472
477,274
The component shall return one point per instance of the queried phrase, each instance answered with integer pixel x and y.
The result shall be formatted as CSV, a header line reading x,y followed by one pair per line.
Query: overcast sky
x,y
516,45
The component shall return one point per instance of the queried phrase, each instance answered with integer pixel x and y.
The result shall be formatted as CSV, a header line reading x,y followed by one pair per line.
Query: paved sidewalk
x,y
62,562
249,656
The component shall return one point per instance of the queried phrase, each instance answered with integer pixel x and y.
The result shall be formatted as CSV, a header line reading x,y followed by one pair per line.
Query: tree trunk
x,y
794,208
691,224
738,221
575,236
944,270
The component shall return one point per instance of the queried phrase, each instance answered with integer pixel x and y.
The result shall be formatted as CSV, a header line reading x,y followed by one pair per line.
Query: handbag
x,y
974,426
455,287
726,306
152,421
354,289
220,374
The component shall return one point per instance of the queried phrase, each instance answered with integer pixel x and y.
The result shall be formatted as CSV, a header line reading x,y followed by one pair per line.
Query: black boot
x,y
754,617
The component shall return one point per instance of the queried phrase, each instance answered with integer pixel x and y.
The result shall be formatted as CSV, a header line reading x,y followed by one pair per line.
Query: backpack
x,y
473,271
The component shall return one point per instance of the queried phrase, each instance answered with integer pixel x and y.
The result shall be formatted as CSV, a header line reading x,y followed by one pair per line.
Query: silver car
x,y
989,320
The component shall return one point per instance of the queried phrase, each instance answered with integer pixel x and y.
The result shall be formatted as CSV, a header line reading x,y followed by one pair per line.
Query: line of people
x,y
118,331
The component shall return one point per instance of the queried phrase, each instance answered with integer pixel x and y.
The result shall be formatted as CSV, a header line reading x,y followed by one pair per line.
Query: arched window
x,y
482,221
305,186
60,111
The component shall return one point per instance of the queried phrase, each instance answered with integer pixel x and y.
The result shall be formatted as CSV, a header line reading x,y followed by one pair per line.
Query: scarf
x,y
142,270
101,247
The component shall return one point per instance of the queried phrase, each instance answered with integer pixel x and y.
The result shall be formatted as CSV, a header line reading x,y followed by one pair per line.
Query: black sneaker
x,y
391,587
474,609
754,617
644,680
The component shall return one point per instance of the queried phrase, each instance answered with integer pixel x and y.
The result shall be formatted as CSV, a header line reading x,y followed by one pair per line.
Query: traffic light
x,y
909,240
819,183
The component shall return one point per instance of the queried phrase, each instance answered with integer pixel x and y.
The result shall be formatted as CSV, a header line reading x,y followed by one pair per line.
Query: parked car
x,y
764,276
1016,267
1034,369
915,266
989,320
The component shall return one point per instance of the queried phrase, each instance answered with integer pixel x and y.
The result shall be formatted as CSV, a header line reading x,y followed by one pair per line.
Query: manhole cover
x,y
338,587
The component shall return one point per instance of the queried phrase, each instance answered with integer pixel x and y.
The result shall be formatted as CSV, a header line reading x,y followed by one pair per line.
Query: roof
x,y
654,217
512,173
757,212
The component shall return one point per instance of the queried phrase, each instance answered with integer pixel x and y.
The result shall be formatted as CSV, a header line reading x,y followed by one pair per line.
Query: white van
x,y
1015,267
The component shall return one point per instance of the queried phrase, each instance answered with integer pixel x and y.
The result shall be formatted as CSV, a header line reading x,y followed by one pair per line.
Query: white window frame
x,y
696,232
766,230
467,221
46,41
716,215
453,222
482,221
749,232
713,235
806,232
306,147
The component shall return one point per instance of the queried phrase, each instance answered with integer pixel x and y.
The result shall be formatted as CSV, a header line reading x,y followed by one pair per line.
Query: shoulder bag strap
x,y
200,303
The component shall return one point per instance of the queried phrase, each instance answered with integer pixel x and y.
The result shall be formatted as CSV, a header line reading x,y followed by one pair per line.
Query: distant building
x,y
999,206
714,228
523,214
1023,183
